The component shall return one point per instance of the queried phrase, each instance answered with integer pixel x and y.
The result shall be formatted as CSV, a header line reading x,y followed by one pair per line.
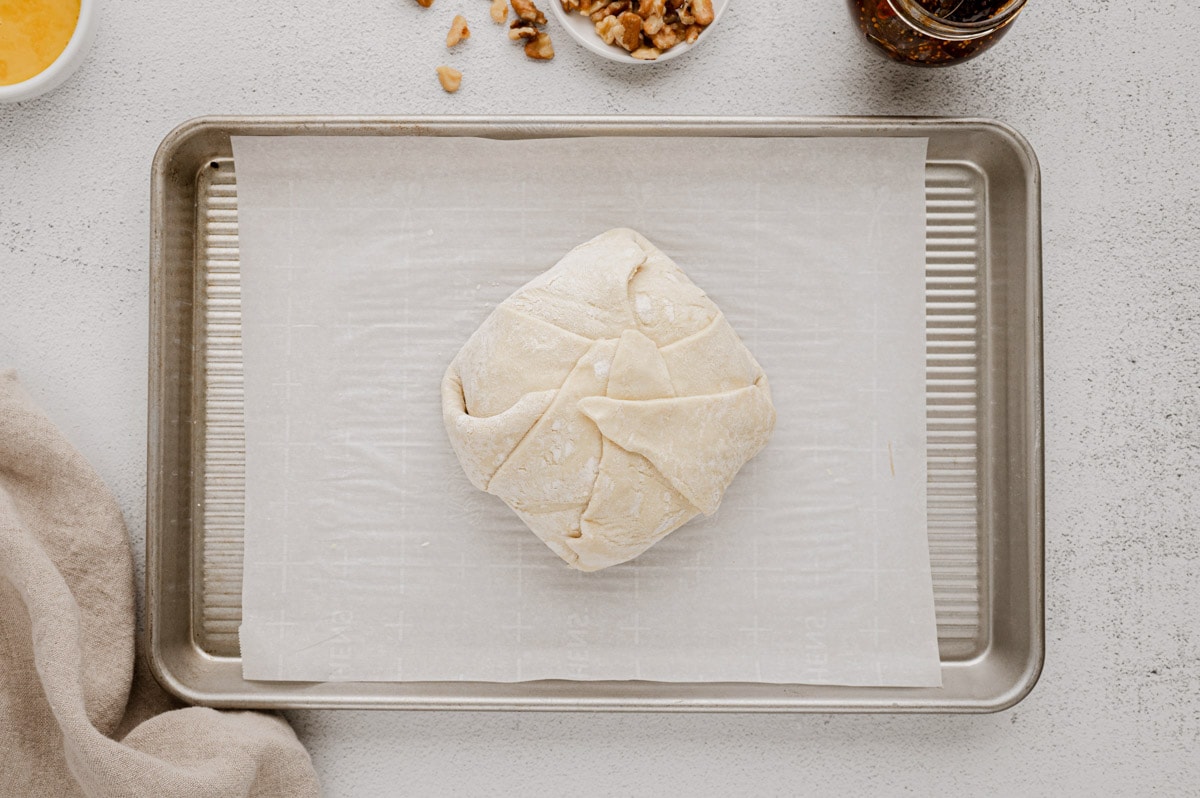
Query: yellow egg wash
x,y
32,34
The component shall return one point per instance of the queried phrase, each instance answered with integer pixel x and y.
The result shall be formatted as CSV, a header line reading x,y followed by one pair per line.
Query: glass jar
x,y
934,32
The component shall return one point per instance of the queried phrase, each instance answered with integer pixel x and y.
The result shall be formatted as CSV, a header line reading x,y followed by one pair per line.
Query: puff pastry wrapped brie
x,y
607,402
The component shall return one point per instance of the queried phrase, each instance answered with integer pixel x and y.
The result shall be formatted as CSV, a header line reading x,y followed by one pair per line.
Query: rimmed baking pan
x,y
984,412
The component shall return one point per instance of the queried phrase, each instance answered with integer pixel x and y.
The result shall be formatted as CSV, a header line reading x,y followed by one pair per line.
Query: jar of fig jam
x,y
934,32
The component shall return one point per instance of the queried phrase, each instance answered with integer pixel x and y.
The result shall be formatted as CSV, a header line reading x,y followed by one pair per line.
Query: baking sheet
x,y
366,263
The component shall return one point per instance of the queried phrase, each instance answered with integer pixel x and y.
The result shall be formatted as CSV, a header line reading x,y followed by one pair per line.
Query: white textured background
x,y
1107,91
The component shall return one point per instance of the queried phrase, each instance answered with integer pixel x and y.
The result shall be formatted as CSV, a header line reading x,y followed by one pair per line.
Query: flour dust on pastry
x,y
607,402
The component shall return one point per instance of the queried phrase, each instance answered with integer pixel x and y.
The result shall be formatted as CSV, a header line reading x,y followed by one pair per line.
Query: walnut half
x,y
609,30
652,12
667,37
631,31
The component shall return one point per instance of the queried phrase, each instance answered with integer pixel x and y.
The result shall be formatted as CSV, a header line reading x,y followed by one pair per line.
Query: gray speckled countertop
x,y
1107,92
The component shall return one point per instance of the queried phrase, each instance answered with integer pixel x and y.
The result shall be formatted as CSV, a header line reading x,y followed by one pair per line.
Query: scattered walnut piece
x,y
424,3
458,31
644,28
540,49
499,11
526,10
527,27
522,30
450,78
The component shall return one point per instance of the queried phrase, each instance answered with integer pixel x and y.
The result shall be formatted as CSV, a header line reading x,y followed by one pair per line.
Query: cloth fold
x,y
76,717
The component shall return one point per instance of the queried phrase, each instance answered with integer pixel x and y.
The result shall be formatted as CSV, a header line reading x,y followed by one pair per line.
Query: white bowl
x,y
583,31
67,62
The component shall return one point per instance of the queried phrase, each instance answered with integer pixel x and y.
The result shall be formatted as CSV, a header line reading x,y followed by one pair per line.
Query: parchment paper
x,y
366,265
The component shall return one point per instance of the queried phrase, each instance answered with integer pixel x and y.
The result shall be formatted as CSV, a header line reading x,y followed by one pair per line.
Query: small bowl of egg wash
x,y
41,43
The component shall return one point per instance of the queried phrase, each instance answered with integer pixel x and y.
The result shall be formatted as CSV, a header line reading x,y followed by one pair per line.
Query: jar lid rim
x,y
932,24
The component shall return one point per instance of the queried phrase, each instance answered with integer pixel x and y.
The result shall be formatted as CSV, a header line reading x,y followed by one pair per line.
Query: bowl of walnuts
x,y
638,31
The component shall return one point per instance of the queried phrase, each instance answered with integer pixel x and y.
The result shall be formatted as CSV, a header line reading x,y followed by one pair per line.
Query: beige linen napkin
x,y
70,724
